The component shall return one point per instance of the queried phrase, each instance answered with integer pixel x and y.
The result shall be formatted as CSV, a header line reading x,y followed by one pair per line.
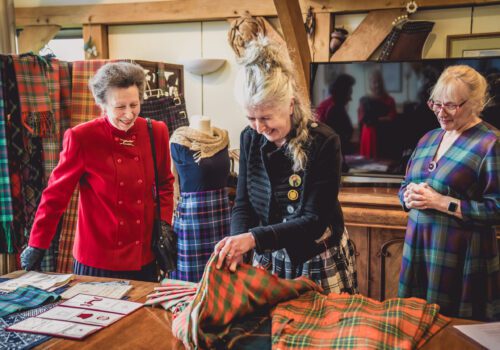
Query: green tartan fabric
x,y
25,298
224,297
333,321
6,212
36,110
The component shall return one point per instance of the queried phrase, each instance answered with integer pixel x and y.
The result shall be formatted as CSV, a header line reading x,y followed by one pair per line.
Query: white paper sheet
x,y
93,302
53,327
36,279
97,318
486,334
115,291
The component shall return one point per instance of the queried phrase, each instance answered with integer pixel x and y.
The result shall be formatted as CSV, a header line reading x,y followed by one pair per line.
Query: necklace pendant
x,y
129,143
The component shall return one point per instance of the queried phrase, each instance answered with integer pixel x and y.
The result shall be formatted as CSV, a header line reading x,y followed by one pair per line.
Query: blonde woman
x,y
452,192
286,206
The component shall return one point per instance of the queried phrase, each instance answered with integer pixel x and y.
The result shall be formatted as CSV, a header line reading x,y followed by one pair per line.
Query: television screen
x,y
379,109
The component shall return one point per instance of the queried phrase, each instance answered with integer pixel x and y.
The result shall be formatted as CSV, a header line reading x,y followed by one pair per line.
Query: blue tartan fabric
x,y
201,220
20,340
448,261
6,214
24,298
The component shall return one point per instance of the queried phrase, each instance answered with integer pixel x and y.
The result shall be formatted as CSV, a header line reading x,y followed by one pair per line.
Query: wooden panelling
x,y
361,240
201,10
34,38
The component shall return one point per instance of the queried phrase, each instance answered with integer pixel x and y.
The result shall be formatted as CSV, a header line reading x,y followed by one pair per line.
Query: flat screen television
x,y
392,125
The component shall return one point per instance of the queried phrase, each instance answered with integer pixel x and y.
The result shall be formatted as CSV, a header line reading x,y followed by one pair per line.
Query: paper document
x,y
109,290
40,280
486,334
93,302
53,327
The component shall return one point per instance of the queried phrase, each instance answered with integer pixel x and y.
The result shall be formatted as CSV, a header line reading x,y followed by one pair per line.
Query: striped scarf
x,y
203,145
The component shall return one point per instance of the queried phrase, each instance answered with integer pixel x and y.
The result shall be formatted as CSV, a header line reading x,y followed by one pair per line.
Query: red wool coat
x,y
116,206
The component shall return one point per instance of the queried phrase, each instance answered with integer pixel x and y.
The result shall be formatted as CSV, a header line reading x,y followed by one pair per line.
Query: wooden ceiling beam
x,y
201,10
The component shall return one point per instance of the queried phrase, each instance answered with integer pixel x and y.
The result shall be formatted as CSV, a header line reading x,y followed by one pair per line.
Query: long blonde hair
x,y
266,78
475,83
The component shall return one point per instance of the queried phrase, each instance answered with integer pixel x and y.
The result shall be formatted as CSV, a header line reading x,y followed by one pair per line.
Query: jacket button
x,y
117,139
119,160
139,201
122,183
138,222
139,182
120,243
136,159
133,137
137,242
122,223
120,202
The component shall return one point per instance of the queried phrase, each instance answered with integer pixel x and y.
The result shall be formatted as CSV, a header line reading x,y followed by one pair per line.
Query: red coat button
x,y
133,137
122,223
120,243
122,183
136,159
138,222
117,139
119,160
139,182
120,202
139,201
137,242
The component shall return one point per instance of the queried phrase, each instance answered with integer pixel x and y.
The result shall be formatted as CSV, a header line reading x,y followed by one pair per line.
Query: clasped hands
x,y
421,196
231,250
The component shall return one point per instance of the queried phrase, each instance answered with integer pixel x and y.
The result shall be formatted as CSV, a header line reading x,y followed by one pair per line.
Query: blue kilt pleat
x,y
201,220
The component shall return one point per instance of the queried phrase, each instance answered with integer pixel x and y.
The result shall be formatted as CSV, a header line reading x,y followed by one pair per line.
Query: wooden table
x,y
150,328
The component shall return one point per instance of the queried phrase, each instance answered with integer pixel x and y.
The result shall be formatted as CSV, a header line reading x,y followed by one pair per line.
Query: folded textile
x,y
314,321
224,297
24,298
37,114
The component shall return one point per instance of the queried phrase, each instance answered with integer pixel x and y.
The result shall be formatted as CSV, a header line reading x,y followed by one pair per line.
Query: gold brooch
x,y
129,143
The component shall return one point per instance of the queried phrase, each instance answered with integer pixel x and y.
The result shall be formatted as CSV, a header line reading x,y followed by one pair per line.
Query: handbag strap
x,y
153,151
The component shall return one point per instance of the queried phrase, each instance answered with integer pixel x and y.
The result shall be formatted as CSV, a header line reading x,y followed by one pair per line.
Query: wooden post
x,y
7,27
295,35
320,44
99,34
34,38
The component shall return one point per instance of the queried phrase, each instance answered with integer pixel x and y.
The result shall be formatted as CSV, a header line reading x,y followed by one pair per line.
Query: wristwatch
x,y
452,207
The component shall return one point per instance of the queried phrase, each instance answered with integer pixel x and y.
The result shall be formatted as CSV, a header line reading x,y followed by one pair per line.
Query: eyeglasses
x,y
450,108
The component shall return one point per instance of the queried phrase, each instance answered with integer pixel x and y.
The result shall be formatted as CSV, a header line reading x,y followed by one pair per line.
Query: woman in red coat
x,y
110,159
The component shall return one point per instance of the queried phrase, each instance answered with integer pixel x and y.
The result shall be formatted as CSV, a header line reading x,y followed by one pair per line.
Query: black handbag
x,y
163,244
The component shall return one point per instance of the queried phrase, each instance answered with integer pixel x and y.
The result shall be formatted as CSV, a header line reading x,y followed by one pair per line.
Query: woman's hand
x,y
231,249
422,196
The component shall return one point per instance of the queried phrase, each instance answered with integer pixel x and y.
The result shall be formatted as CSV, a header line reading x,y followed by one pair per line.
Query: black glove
x,y
31,258
166,230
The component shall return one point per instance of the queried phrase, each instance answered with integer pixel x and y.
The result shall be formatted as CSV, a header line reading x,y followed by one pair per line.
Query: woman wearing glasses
x,y
451,190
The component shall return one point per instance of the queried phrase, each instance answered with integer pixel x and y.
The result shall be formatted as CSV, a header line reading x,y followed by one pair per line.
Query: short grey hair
x,y
116,75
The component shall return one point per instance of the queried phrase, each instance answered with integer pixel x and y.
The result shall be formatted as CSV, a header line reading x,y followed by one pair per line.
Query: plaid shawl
x,y
36,111
6,213
24,298
83,109
224,297
314,321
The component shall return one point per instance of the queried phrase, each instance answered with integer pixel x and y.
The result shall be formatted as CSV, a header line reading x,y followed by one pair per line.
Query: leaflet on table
x,y
40,280
114,290
93,302
53,327
486,334
97,318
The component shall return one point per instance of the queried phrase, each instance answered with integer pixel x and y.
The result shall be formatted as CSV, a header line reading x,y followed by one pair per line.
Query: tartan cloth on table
x,y
20,340
83,109
6,213
24,298
223,297
37,114
170,110
15,147
200,221
314,321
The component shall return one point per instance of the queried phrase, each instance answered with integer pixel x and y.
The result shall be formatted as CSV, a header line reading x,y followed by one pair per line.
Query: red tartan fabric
x,y
314,321
224,296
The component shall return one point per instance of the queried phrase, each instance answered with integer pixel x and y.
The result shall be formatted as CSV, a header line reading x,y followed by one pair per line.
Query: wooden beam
x,y
367,37
320,43
202,10
99,33
295,36
272,33
34,38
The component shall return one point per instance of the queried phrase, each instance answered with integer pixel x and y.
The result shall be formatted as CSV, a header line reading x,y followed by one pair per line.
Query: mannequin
x,y
201,159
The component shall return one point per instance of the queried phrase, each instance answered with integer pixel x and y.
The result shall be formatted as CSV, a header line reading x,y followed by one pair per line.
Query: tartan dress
x,y
449,261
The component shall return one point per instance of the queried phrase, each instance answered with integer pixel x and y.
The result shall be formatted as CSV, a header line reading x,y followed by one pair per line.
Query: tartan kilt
x,y
200,221
334,269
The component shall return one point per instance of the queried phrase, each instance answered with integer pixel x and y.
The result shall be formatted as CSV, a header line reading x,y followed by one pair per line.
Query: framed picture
x,y
392,76
473,45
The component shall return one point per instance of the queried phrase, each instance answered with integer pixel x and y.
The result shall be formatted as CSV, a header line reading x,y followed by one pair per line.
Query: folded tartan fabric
x,y
224,297
24,298
314,321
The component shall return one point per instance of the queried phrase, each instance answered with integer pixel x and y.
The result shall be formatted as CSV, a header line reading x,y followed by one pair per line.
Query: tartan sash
x,y
37,115
334,321
223,297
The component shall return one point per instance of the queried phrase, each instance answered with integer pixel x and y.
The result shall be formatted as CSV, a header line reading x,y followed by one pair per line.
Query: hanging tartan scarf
x,y
15,147
334,321
6,215
223,297
36,111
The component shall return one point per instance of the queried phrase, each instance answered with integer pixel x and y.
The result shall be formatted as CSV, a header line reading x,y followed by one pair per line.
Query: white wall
x,y
212,94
